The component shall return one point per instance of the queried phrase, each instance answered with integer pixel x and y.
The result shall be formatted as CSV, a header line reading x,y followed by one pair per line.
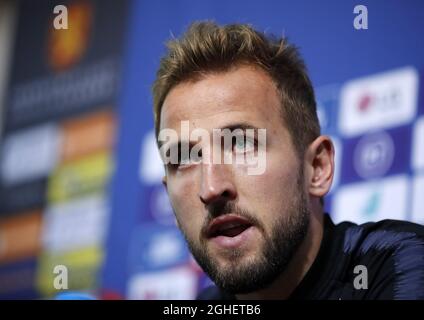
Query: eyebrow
x,y
239,125
231,126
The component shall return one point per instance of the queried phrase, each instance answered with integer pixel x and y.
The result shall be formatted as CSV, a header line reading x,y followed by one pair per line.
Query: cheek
x,y
272,191
187,207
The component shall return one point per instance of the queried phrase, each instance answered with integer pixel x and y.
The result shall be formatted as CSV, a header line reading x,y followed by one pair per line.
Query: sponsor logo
x,y
56,96
88,134
82,177
151,166
379,101
67,46
29,154
372,201
374,155
75,224
178,284
154,246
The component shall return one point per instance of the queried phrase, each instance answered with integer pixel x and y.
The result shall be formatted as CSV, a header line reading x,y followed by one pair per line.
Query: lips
x,y
228,225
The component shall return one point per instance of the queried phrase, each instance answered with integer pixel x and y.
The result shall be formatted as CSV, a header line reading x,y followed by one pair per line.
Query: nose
x,y
217,184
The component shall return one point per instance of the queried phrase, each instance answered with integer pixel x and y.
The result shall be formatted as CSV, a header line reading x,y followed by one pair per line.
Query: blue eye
x,y
188,159
244,145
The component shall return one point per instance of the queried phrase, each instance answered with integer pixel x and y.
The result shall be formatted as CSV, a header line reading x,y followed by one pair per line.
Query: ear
x,y
319,159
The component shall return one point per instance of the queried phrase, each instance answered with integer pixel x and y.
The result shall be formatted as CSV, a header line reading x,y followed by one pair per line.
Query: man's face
x,y
242,229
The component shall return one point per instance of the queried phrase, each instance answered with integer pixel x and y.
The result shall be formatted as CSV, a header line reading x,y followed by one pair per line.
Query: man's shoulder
x,y
382,235
393,253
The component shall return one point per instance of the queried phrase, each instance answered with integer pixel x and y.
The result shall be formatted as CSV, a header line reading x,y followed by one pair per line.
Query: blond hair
x,y
207,47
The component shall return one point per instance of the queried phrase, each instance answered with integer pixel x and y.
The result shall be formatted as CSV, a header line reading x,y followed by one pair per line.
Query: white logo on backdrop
x,y
30,154
373,155
372,201
379,101
179,284
75,224
151,165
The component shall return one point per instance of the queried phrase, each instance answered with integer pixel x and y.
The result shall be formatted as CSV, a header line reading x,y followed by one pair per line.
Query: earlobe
x,y
321,160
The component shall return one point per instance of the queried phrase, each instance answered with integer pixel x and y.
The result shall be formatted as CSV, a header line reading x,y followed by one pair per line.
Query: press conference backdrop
x,y
80,174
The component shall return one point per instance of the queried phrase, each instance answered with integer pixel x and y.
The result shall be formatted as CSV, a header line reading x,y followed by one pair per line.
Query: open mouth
x,y
228,226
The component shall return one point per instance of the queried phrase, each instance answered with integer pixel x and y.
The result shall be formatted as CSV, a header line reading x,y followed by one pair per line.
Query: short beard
x,y
287,234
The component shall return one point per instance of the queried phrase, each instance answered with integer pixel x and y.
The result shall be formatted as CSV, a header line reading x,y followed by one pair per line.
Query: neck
x,y
296,270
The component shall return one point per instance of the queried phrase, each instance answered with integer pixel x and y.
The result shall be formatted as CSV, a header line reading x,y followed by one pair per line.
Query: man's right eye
x,y
186,160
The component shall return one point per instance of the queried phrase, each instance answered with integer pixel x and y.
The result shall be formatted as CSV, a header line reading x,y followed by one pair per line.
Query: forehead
x,y
245,93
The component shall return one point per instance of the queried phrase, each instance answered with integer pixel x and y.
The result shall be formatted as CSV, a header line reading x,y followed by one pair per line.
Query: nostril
x,y
226,194
202,199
